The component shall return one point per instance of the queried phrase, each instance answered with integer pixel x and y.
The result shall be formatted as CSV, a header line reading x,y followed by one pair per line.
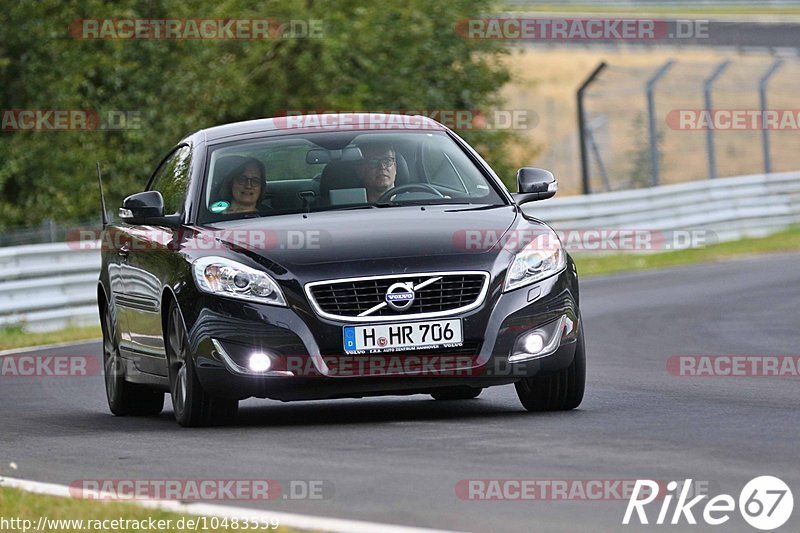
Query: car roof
x,y
324,122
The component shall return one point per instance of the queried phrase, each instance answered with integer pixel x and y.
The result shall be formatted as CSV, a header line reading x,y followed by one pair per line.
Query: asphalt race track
x,y
398,459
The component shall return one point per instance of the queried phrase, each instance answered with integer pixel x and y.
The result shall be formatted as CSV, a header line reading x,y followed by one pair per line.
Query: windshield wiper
x,y
395,203
346,208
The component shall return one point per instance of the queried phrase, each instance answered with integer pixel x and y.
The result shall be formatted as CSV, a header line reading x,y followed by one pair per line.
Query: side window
x,y
172,179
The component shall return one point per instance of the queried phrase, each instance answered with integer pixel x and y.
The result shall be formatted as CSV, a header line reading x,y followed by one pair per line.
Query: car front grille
x,y
347,299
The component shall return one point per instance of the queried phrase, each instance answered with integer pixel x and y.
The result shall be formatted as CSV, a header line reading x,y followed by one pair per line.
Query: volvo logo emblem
x,y
400,296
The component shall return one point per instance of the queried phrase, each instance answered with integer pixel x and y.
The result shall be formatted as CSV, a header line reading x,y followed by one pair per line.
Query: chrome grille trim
x,y
477,302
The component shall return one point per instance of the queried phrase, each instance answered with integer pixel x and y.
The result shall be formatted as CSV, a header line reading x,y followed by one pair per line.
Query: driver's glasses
x,y
386,162
247,181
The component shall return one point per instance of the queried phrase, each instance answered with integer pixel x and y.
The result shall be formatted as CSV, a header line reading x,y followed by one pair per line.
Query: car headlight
x,y
218,275
539,259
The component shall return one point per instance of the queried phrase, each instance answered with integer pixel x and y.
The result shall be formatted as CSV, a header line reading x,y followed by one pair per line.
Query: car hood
x,y
369,234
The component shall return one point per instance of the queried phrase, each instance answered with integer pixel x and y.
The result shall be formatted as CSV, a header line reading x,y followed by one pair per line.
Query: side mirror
x,y
147,208
534,184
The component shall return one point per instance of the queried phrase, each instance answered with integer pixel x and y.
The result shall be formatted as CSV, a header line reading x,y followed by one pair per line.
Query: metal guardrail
x,y
48,286
731,208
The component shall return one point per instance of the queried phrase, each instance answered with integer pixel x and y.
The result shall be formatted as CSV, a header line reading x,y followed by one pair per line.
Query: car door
x,y
116,243
149,261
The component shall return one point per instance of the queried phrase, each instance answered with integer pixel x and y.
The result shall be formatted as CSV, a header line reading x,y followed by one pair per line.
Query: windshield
x,y
340,170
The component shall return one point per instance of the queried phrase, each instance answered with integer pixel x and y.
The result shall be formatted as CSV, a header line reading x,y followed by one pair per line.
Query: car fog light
x,y
259,362
533,343
539,342
251,361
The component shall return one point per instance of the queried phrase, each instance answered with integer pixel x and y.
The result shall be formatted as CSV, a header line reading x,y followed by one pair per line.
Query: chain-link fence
x,y
678,121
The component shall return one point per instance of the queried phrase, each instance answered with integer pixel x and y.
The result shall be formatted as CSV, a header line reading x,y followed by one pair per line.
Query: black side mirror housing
x,y
147,208
534,184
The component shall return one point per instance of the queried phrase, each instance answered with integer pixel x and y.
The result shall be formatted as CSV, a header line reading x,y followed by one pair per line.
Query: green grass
x,y
594,265
18,337
16,503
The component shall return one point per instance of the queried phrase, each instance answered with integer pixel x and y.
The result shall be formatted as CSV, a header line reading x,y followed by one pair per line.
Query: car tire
x,y
192,405
124,398
457,393
557,392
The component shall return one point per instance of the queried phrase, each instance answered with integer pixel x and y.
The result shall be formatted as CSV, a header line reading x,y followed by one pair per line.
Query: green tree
x,y
396,55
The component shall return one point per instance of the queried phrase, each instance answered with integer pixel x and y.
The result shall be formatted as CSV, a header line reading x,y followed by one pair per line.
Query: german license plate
x,y
392,337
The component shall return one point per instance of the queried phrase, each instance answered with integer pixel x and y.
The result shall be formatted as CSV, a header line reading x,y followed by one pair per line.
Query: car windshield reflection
x,y
334,171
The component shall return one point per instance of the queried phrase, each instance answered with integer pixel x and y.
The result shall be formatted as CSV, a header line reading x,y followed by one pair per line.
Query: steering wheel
x,y
411,187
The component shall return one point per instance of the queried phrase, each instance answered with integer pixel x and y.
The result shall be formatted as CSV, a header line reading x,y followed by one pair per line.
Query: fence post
x,y
707,84
582,127
762,99
655,170
596,151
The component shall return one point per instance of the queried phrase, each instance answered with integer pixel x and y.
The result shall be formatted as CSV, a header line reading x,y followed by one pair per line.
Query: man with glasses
x,y
378,169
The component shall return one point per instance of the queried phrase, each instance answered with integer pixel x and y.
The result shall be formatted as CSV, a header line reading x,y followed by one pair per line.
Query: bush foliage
x,y
402,54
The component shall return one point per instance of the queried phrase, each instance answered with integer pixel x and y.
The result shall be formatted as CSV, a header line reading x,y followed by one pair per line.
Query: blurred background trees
x,y
372,56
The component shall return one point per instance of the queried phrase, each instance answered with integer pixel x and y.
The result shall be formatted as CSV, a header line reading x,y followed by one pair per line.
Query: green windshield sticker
x,y
219,207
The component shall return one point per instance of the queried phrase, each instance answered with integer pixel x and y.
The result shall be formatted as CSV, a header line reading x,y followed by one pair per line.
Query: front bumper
x,y
312,364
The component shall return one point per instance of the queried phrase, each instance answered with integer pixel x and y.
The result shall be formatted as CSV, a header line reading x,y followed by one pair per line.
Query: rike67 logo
x,y
765,503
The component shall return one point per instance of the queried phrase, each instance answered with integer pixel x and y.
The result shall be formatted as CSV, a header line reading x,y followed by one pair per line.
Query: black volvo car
x,y
334,256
